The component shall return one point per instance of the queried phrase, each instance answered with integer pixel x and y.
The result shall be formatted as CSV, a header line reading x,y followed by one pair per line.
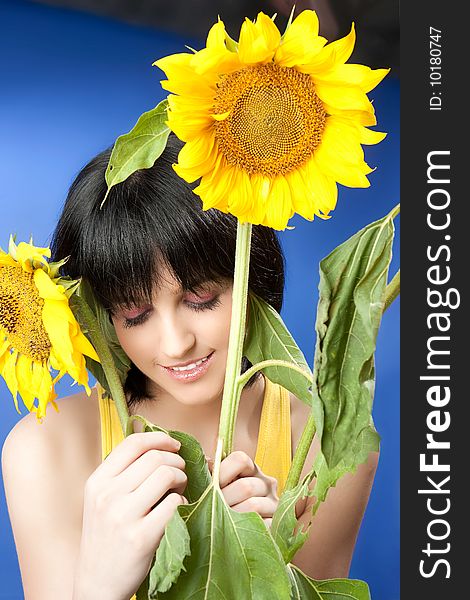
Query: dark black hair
x,y
150,219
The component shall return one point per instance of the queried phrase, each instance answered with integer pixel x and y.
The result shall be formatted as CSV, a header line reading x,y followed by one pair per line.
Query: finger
x,y
265,507
158,518
244,488
237,464
210,463
161,481
144,466
268,522
134,446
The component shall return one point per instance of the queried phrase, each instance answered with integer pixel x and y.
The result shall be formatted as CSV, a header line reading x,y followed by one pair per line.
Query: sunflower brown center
x,y
276,119
21,314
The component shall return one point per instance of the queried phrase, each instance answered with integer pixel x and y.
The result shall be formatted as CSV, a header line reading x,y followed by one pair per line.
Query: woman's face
x,y
180,341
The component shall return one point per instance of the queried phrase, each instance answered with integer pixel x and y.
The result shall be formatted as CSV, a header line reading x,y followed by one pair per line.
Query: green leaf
x,y
232,555
285,526
352,281
120,358
140,148
367,442
268,338
197,471
173,548
306,588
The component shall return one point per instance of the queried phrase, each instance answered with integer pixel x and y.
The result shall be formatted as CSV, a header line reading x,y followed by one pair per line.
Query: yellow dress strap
x,y
274,451
111,431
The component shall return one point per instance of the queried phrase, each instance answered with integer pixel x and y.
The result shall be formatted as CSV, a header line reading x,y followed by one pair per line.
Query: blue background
x,y
70,84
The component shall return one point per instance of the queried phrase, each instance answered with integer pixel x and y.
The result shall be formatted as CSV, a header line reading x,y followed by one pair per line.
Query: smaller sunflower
x,y
271,123
38,331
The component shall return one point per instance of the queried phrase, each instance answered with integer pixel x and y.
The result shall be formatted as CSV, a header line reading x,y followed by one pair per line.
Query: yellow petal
x,y
363,77
279,205
360,117
258,41
173,65
24,377
301,42
190,86
240,196
215,60
83,345
216,36
55,318
341,140
215,55
4,346
344,173
345,97
188,126
27,255
301,197
9,375
323,188
214,191
344,47
197,158
7,261
325,59
368,136
47,289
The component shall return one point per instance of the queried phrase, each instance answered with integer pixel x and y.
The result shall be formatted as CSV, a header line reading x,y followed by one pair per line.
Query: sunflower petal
x,y
258,41
301,42
368,136
344,47
240,196
9,375
279,204
359,75
197,158
345,97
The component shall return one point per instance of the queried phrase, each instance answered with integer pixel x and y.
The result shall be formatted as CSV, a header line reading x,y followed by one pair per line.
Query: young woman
x,y
88,508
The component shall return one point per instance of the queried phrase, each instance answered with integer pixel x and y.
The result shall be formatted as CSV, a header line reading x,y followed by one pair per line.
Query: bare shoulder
x,y
69,437
45,468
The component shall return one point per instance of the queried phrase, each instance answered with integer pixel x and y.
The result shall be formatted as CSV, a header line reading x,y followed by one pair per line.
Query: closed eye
x,y
195,306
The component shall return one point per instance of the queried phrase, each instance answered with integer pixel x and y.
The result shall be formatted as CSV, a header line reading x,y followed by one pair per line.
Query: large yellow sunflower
x,y
271,123
38,331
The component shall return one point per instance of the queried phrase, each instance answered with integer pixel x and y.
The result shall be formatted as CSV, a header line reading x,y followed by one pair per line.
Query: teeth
x,y
189,367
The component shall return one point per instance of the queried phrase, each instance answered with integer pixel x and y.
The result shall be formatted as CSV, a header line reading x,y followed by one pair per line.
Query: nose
x,y
176,338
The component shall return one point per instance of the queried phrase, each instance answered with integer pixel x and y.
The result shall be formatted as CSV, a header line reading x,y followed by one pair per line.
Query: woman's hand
x,y
125,513
246,488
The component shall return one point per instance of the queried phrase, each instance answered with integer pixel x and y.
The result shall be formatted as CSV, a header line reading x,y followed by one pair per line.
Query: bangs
x,y
150,221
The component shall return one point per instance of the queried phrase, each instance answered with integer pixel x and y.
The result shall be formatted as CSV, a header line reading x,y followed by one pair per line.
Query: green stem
x,y
232,391
301,453
392,290
89,322
242,379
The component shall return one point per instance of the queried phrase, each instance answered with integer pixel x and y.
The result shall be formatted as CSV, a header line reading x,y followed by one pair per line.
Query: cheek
x,y
214,328
133,342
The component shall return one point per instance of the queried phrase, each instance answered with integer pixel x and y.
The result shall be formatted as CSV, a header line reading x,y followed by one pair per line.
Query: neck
x,y
202,421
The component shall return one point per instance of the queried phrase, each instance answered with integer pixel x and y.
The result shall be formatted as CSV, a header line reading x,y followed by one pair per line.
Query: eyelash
x,y
196,306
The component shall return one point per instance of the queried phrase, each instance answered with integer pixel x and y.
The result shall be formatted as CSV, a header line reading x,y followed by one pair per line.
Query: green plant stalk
x,y
89,322
391,292
265,364
232,392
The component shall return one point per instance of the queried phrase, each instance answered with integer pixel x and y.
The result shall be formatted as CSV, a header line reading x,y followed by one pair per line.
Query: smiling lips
x,y
191,371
